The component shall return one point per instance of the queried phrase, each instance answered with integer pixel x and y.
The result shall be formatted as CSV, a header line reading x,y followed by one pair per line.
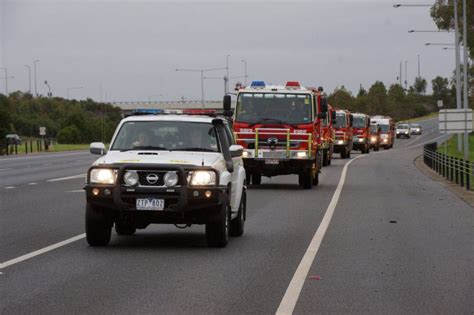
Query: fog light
x,y
95,191
107,192
245,154
301,154
208,193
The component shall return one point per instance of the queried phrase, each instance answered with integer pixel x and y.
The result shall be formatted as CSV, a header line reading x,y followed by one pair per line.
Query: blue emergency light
x,y
257,84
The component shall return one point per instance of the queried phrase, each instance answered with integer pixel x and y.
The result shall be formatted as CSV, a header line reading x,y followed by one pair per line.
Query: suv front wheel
x,y
217,228
98,226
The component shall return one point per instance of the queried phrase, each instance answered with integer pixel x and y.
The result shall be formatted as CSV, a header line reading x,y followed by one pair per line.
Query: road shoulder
x,y
461,192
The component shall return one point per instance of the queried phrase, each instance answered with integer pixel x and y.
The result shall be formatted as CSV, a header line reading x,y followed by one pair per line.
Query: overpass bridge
x,y
129,107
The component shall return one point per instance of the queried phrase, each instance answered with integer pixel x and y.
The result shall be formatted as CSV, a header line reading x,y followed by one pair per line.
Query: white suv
x,y
175,169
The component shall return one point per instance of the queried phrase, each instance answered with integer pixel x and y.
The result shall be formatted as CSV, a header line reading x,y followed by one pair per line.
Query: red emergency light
x,y
293,84
194,111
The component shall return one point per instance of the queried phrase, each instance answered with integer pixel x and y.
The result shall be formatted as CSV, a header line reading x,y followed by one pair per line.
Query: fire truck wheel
x,y
325,157
307,179
256,179
343,153
348,155
237,224
248,177
316,180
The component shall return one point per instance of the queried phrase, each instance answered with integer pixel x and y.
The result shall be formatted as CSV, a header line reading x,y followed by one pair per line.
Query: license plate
x,y
272,161
273,154
150,204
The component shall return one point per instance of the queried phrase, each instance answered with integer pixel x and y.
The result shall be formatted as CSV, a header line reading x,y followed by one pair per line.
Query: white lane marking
x,y
420,137
5,169
288,303
42,156
66,178
417,145
76,191
40,251
9,187
31,184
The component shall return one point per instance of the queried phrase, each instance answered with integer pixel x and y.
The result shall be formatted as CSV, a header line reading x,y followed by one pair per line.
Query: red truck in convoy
x,y
387,130
361,130
328,135
343,133
280,129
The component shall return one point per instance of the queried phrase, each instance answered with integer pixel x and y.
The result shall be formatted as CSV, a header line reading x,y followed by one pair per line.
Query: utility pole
x,y
406,75
400,77
466,64
202,77
29,78
458,62
6,80
245,71
226,81
419,67
36,88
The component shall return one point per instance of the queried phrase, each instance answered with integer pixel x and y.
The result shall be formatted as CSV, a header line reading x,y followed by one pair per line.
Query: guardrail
x,y
453,169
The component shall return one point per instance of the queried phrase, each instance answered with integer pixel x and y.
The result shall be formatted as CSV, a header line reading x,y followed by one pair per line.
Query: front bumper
x,y
277,166
358,144
182,204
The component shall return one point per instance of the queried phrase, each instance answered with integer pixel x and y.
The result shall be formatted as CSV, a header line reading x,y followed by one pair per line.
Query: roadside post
x,y
42,133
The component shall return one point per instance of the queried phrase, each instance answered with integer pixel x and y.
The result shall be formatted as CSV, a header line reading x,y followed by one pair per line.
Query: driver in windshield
x,y
248,111
199,137
143,139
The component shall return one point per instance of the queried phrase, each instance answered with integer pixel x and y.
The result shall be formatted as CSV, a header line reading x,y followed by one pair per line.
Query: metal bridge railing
x,y
452,168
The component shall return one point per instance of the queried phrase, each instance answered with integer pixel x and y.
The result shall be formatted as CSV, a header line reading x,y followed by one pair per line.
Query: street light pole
x,y
419,67
36,89
406,75
458,64
202,77
466,63
49,88
29,78
245,71
227,76
6,80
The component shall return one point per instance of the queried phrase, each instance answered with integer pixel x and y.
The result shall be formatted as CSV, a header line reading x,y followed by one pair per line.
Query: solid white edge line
x,y
288,303
41,251
66,178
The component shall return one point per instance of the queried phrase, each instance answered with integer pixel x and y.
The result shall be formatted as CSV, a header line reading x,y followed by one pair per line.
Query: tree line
x,y
69,121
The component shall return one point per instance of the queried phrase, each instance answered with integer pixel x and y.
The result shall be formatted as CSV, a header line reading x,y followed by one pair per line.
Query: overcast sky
x,y
132,48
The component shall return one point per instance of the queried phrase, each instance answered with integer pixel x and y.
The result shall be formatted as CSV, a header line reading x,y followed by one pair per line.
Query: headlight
x,y
203,178
245,154
170,179
301,154
103,176
340,141
373,139
361,140
130,178
385,140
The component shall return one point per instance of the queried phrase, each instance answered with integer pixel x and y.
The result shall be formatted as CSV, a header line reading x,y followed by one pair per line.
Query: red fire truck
x,y
361,130
343,132
280,129
328,136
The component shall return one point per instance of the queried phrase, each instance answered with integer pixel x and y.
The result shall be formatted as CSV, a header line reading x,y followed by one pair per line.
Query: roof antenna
x,y
202,163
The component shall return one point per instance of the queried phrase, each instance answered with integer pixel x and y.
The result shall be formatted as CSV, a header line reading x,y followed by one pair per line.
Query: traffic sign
x,y
455,120
42,131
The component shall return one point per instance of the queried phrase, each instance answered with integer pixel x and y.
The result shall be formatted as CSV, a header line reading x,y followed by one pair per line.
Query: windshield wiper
x,y
145,147
195,149
264,119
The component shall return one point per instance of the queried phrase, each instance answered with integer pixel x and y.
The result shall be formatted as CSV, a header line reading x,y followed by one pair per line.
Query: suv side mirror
x,y
324,105
236,150
97,148
227,102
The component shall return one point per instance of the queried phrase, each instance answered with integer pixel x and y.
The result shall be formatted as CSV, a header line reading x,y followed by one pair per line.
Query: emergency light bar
x,y
257,84
293,84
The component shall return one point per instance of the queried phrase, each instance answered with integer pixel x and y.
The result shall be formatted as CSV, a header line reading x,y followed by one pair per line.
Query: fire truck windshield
x,y
384,128
277,108
340,121
359,122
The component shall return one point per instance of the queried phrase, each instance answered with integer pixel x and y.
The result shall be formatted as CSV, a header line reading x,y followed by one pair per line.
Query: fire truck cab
x,y
361,130
343,132
280,129
387,130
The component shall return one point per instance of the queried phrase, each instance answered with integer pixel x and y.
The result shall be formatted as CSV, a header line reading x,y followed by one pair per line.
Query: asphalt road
x,y
420,263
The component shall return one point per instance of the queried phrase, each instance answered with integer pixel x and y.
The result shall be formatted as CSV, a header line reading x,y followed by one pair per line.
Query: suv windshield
x,y
166,135
402,126
359,122
276,108
340,121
